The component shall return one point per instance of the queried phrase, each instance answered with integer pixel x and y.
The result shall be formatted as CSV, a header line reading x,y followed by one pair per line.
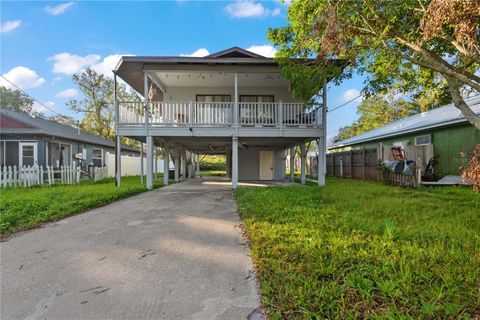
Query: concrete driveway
x,y
172,253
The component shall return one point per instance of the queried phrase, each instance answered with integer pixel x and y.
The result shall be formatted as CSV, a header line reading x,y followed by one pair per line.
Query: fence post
x,y
62,174
364,162
341,166
78,174
351,164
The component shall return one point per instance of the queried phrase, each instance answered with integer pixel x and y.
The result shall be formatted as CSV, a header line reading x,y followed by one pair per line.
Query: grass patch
x,y
24,208
213,173
357,249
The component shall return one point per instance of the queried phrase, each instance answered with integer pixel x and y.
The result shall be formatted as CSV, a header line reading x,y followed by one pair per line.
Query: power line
x,y
344,104
30,96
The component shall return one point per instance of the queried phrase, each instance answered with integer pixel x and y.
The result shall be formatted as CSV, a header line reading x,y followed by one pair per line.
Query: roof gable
x,y
9,122
234,52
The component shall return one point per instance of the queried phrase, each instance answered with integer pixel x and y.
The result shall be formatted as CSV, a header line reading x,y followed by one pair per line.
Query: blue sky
x,y
44,43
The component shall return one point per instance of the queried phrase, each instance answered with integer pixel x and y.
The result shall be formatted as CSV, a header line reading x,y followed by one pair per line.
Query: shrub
x,y
472,170
208,163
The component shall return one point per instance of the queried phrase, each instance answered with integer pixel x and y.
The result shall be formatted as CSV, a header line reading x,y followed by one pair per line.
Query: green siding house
x,y
444,131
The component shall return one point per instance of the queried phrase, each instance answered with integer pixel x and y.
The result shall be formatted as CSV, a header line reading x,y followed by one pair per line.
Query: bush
x,y
472,171
216,163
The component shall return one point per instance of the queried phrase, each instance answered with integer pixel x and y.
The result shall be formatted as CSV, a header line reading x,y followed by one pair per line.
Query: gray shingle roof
x,y
52,128
438,117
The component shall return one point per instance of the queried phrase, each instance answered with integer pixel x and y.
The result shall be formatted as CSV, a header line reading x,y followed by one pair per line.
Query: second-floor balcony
x,y
220,115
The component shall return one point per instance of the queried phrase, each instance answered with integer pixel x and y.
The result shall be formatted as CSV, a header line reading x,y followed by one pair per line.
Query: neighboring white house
x,y
234,102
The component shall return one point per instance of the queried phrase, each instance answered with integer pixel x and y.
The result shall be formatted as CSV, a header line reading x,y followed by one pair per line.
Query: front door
x,y
266,165
27,154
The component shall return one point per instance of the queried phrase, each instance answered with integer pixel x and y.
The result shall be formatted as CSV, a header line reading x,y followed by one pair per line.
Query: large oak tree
x,y
418,46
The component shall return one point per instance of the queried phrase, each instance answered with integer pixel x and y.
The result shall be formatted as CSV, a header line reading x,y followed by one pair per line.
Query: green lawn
x,y
213,173
23,208
356,250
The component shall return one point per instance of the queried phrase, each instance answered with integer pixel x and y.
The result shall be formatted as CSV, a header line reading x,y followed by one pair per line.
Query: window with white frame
x,y
97,157
423,140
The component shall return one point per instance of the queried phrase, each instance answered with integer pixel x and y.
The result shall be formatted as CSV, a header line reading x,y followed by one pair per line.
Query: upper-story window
x,y
213,98
252,98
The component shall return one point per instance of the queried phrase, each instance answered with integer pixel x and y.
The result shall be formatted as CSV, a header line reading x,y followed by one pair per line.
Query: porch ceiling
x,y
218,79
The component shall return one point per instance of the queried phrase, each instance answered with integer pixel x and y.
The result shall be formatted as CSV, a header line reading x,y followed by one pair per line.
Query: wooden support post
x,y
322,162
234,162
341,167
303,158
292,164
166,162
149,162
351,164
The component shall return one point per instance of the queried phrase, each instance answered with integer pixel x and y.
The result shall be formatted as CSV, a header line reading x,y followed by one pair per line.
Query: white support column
x,y
149,162
142,173
155,162
303,163
234,162
292,164
118,159
177,165
166,162
235,107
183,165
197,166
322,142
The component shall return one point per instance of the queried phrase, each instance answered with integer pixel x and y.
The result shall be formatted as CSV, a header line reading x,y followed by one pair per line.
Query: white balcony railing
x,y
204,114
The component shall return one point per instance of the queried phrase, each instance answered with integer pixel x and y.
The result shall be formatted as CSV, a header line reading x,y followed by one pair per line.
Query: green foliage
x,y
357,250
212,163
410,45
377,111
97,103
15,100
24,208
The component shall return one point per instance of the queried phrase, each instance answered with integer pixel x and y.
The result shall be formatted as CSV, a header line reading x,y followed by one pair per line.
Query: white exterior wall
x,y
190,93
130,166
249,163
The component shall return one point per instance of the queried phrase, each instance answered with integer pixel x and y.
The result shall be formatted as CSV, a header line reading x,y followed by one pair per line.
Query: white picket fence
x,y
28,176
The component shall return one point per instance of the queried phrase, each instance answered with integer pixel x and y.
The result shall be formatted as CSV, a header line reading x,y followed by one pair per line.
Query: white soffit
x,y
220,79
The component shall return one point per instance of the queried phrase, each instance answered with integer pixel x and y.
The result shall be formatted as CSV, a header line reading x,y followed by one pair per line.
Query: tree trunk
x,y
454,87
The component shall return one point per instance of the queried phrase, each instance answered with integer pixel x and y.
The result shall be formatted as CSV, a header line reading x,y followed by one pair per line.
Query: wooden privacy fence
x,y
28,176
354,164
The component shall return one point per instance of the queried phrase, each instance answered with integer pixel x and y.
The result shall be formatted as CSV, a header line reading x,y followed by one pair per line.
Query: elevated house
x,y
28,141
233,102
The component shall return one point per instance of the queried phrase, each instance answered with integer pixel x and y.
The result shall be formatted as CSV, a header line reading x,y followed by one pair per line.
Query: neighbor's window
x,y
97,156
59,154
423,140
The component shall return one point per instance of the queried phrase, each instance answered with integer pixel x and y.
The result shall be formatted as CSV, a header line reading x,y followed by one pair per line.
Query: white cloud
x,y
67,93
263,50
10,26
276,12
37,107
22,77
108,64
202,52
69,64
59,9
350,94
246,9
